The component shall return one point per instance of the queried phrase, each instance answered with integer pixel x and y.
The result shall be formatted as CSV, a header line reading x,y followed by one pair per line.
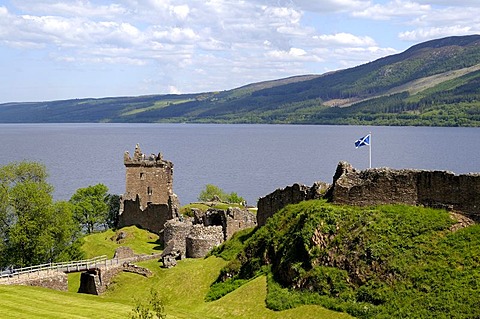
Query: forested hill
x,y
432,83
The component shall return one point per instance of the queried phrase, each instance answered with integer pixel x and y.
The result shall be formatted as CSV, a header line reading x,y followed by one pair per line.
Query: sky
x,y
58,49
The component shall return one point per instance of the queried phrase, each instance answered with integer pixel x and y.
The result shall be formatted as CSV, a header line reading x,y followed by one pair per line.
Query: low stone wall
x,y
272,203
202,239
57,281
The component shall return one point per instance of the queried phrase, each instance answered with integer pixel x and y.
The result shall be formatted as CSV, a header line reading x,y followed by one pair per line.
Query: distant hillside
x,y
432,83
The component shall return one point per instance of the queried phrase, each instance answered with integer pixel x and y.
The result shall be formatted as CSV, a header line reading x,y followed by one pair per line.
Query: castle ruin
x,y
149,200
375,186
149,203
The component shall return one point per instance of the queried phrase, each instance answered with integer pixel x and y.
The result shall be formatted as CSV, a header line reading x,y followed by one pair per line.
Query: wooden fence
x,y
66,267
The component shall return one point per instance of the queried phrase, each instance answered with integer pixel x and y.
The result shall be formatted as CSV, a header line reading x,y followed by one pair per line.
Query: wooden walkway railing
x,y
66,267
24,274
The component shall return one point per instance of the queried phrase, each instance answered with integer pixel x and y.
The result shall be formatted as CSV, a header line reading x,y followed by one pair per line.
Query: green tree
x,y
113,210
33,229
212,192
91,207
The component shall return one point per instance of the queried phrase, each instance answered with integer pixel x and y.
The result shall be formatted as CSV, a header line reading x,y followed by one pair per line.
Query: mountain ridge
x,y
431,83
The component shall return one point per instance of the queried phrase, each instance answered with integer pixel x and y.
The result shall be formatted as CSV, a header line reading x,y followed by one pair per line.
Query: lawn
x,y
182,289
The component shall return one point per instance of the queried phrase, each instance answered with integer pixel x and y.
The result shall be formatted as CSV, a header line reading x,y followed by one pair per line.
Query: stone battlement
x,y
437,189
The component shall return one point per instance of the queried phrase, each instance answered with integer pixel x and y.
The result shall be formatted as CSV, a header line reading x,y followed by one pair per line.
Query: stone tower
x,y
149,200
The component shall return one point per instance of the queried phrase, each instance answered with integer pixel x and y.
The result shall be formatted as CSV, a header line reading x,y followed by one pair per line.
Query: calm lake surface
x,y
252,160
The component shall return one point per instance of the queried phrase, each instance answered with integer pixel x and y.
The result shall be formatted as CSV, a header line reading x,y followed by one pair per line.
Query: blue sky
x,y
54,49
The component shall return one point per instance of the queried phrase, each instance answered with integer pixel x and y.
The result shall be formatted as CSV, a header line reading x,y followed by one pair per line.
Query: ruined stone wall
x,y
153,217
202,239
447,190
150,177
272,203
373,186
152,181
237,219
232,219
175,234
440,189
57,281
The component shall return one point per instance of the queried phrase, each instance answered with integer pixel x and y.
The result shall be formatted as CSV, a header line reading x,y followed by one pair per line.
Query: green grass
x,y
104,243
182,290
157,105
34,302
392,261
186,300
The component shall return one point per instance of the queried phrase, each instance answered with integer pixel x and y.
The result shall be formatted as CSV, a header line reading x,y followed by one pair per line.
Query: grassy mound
x,y
388,261
105,243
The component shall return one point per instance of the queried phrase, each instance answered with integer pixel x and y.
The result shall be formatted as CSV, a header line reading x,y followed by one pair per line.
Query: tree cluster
x,y
34,229
213,192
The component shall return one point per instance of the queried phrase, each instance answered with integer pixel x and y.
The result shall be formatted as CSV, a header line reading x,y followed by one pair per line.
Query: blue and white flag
x,y
363,141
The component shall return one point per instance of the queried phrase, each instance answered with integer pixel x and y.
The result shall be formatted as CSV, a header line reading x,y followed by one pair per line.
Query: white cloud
x,y
195,45
396,8
328,6
345,39
181,12
435,32
173,90
72,8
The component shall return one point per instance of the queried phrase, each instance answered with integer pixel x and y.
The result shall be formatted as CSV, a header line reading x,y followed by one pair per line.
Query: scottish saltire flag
x,y
363,141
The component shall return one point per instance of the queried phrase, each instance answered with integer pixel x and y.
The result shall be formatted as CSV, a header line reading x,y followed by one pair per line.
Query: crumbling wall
x,y
231,219
174,234
237,219
272,203
447,190
202,239
148,176
56,281
439,189
153,217
373,186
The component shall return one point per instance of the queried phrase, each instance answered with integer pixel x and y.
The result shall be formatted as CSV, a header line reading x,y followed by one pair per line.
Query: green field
x,y
182,290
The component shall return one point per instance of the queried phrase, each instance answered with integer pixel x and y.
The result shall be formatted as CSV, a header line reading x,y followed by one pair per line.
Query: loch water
x,y
252,160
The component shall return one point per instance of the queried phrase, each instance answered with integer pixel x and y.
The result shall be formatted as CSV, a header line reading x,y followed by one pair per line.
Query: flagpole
x,y
370,150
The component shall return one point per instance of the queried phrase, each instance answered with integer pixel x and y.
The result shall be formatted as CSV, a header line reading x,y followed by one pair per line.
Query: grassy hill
x,y
376,262
432,83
